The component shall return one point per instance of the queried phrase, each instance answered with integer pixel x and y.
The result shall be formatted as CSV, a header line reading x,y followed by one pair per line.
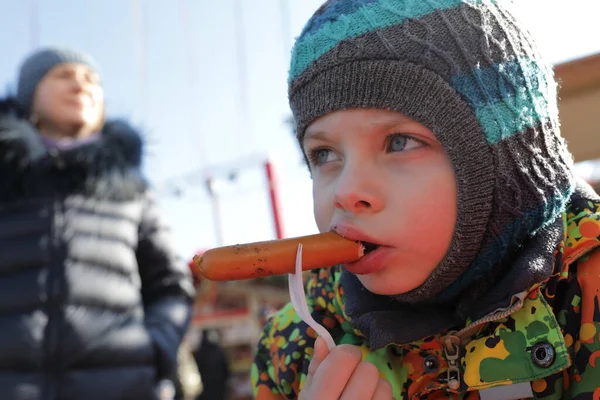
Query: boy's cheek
x,y
322,215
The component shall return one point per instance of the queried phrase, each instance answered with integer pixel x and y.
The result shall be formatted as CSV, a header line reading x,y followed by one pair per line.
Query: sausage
x,y
276,257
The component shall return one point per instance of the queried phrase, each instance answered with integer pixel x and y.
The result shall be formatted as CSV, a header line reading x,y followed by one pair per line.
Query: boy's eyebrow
x,y
377,126
386,125
315,135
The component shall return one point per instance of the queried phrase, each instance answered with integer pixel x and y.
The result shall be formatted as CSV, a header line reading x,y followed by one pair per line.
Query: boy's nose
x,y
356,193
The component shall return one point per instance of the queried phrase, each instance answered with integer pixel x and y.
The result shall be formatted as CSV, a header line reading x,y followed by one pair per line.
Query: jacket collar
x,y
107,167
500,348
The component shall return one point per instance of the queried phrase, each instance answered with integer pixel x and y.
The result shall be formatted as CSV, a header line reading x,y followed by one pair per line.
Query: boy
x,y
431,131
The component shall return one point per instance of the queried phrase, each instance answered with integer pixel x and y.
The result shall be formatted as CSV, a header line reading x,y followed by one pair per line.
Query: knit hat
x,y
37,65
467,71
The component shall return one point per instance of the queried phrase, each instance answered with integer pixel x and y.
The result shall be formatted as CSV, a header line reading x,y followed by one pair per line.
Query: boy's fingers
x,y
321,352
362,383
319,355
332,375
383,390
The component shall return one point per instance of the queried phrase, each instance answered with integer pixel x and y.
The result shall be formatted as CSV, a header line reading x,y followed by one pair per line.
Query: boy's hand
x,y
340,374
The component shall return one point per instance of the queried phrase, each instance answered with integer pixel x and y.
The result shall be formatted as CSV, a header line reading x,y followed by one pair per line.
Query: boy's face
x,y
383,178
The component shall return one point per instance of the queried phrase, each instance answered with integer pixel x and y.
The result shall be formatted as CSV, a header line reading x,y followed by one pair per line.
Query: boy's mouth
x,y
371,260
352,233
369,247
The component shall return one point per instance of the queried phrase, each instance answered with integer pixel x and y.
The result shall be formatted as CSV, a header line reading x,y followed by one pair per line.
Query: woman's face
x,y
69,101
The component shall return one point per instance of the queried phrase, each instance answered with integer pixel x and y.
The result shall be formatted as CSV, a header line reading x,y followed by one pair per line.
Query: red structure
x,y
274,196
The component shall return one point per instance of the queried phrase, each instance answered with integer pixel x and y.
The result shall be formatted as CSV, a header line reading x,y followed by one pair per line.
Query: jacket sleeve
x,y
262,375
19,141
167,289
269,381
286,346
584,374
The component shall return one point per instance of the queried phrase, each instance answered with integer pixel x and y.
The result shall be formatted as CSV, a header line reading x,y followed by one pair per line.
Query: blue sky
x,y
176,70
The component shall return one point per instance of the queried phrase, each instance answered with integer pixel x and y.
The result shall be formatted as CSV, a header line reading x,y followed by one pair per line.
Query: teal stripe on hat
x,y
507,79
508,97
370,17
501,120
331,12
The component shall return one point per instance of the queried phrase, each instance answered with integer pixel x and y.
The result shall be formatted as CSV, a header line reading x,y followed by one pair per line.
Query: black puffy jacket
x,y
93,302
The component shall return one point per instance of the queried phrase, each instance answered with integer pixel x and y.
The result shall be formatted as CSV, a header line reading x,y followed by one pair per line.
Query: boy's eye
x,y
320,156
399,142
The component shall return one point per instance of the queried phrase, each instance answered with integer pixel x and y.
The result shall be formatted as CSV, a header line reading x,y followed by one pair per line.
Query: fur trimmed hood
x,y
108,167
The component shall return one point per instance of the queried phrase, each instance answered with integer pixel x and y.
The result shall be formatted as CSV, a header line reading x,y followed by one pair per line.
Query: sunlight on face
x,y
383,178
69,99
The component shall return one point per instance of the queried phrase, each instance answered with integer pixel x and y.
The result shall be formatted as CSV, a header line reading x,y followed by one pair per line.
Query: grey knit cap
x,y
467,71
37,65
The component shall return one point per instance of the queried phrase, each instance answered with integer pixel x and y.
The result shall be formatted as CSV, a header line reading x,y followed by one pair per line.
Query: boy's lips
x,y
354,234
371,261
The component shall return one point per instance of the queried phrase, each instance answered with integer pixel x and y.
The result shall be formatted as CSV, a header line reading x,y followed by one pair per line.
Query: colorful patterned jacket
x,y
545,345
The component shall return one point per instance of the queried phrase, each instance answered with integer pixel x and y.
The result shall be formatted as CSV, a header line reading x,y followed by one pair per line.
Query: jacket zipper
x,y
55,274
454,340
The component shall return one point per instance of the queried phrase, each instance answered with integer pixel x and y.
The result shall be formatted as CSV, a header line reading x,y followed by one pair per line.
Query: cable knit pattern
x,y
471,74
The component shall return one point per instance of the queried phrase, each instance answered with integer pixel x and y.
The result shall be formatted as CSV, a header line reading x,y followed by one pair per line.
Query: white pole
x,y
34,24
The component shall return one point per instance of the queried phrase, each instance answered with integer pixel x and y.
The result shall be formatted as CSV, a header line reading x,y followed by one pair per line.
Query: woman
x,y
93,302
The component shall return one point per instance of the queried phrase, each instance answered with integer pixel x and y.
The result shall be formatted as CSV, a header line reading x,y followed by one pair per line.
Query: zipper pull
x,y
452,353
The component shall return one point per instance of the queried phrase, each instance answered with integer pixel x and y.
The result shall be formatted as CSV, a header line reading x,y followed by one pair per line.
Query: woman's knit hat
x,y
37,65
472,75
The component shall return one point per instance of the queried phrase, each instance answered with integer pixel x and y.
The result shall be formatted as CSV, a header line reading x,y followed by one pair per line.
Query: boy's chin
x,y
386,287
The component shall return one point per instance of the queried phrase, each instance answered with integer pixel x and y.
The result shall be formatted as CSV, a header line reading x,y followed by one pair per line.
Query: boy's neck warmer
x,y
383,320
467,71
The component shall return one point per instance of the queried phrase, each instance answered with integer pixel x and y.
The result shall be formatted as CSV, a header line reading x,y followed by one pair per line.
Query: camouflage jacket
x,y
545,345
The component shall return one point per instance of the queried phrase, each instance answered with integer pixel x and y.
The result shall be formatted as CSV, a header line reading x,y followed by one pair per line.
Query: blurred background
x,y
205,81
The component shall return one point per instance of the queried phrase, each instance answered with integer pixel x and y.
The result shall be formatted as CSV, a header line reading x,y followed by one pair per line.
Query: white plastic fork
x,y
298,298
